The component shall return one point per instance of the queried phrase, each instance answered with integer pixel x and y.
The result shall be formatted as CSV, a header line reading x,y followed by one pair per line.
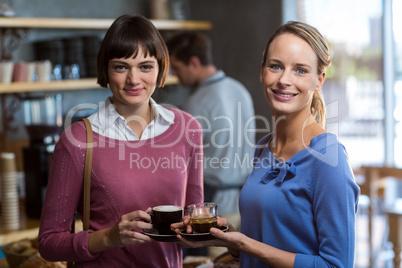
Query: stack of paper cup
x,y
10,210
7,72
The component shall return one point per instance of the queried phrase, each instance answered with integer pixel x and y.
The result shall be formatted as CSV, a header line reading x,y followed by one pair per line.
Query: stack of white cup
x,y
7,68
10,210
25,71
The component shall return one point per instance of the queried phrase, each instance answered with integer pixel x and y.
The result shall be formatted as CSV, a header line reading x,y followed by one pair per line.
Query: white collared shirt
x,y
108,122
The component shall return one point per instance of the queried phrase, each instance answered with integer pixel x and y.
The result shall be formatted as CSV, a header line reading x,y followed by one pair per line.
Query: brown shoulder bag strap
x,y
87,180
87,173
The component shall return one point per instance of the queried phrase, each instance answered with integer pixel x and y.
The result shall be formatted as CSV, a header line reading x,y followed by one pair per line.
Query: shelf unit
x,y
94,24
83,24
84,83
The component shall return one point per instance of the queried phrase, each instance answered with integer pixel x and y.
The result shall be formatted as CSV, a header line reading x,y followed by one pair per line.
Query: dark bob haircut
x,y
122,40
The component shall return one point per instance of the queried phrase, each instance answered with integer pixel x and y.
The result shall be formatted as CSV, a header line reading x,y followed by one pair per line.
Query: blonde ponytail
x,y
318,108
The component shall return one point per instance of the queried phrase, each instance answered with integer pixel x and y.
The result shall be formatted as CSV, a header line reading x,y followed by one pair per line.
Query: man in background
x,y
224,108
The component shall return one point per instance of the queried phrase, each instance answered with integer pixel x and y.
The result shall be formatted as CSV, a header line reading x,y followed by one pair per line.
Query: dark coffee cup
x,y
163,216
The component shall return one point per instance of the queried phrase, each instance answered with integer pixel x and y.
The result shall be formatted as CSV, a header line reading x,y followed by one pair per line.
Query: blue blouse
x,y
305,205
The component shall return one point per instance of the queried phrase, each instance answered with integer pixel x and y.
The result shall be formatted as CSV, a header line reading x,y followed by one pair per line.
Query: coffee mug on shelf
x,y
31,75
19,72
44,70
163,216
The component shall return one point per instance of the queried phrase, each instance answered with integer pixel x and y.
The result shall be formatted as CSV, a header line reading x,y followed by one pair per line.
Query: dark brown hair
x,y
320,46
188,44
123,39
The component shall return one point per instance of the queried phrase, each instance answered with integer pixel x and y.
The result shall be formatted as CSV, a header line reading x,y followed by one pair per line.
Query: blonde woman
x,y
298,206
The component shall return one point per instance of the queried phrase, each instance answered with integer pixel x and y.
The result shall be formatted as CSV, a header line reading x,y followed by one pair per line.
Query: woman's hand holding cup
x,y
223,239
126,231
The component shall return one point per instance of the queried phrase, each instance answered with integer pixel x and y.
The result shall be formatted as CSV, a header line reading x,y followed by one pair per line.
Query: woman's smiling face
x,y
133,80
290,75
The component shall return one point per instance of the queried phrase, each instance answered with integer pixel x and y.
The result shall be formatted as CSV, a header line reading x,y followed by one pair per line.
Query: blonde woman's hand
x,y
224,239
182,226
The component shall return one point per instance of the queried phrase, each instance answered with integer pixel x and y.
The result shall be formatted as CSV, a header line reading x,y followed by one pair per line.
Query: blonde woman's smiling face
x,y
290,75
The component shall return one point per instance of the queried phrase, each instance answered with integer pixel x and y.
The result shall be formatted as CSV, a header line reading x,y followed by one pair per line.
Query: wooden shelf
x,y
94,24
86,83
84,24
19,87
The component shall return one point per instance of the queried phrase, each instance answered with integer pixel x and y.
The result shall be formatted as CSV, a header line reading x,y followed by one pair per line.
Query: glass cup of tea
x,y
203,216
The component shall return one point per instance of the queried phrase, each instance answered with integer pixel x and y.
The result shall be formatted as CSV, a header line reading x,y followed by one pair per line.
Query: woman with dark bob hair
x,y
144,155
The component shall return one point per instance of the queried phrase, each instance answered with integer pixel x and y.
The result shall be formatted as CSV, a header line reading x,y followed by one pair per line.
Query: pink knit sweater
x,y
126,176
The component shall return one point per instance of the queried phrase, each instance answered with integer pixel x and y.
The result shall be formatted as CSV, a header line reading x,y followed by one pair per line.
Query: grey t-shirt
x,y
224,108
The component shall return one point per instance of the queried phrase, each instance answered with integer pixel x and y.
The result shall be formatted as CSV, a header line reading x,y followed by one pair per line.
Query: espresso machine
x,y
43,122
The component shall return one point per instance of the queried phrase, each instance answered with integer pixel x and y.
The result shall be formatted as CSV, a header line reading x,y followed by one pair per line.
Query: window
x,y
354,87
397,113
